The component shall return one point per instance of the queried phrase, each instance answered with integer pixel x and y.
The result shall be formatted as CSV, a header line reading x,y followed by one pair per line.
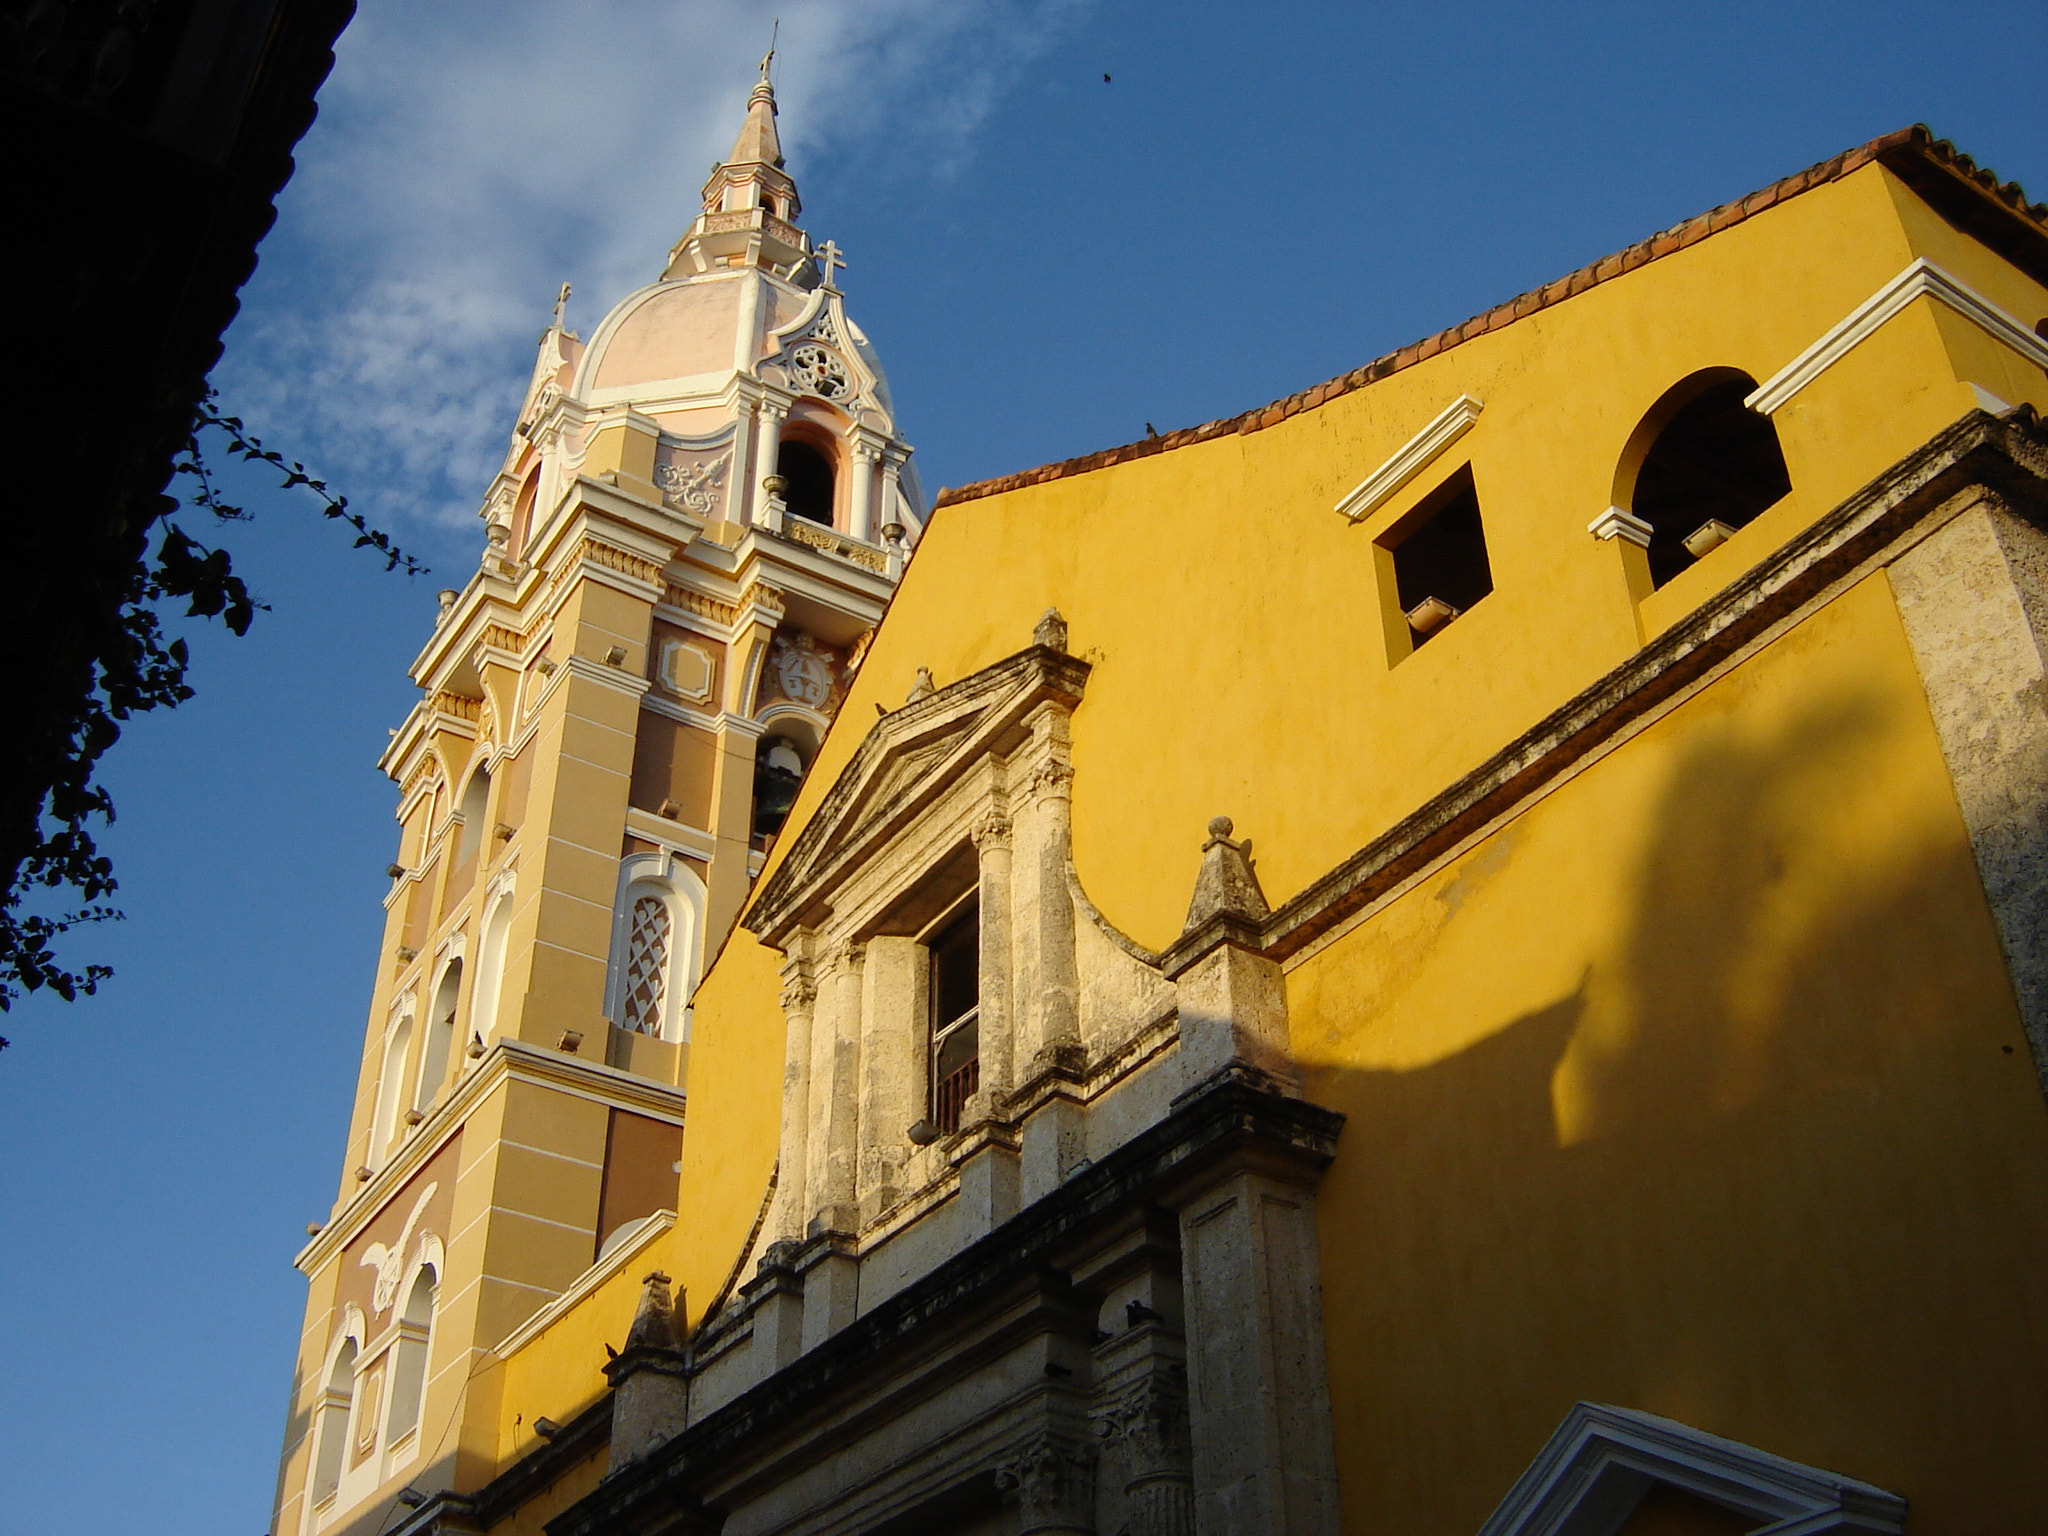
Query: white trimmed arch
x,y
657,933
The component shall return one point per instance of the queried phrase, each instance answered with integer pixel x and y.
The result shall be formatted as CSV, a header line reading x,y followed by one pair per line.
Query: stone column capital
x,y
1052,1479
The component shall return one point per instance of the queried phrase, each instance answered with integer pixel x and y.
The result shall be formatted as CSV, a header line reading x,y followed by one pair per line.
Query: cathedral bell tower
x,y
701,514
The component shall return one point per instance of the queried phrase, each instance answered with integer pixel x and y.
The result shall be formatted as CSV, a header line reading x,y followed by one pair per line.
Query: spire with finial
x,y
750,202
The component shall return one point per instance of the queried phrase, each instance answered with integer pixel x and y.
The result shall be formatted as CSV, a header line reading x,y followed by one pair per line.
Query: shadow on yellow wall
x,y
1774,1164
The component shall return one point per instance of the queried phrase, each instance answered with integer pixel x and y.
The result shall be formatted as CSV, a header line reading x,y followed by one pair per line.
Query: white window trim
x,y
428,1254
319,1510
667,877
1921,279
493,947
1412,458
1602,1461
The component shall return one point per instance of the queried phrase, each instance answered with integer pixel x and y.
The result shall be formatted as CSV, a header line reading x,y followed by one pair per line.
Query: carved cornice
x,y
1224,1123
457,705
703,606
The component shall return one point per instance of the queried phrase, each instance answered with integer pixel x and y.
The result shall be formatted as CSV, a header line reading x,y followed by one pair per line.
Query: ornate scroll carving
x,y
696,487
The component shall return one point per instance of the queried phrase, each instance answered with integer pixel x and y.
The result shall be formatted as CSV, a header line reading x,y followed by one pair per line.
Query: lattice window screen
x,y
647,964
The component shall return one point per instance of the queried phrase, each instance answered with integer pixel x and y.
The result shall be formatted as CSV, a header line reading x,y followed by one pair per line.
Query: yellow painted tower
x,y
701,515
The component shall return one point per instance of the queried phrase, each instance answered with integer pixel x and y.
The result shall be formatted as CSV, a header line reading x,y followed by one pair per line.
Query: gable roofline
x,y
1949,181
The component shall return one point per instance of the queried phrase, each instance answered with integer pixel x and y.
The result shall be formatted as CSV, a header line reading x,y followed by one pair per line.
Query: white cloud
x,y
471,154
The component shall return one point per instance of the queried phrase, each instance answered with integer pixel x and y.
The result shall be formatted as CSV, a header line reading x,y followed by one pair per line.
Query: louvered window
x,y
647,951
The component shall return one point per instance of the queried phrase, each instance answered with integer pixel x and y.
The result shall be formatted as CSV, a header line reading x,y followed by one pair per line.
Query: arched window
x,y
1700,466
654,945
490,968
440,1042
331,1422
522,515
390,1090
410,1352
808,481
778,772
476,800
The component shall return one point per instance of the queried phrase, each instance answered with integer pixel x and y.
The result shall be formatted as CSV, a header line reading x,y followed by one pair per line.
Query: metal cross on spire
x,y
828,256
561,302
769,57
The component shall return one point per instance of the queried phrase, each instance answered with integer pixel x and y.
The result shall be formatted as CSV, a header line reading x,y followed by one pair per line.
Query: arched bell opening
x,y
1699,467
810,484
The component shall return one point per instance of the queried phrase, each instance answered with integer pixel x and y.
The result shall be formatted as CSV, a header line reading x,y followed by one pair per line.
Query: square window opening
x,y
1439,557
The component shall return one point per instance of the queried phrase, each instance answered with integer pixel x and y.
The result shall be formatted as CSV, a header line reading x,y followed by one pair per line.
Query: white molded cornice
x,y
508,1060
672,835
1617,523
1412,458
605,676
1602,1461
1920,280
579,1288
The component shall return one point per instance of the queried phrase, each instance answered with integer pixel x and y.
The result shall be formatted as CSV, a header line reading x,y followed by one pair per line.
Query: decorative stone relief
x,y
818,371
684,670
390,1262
803,670
695,485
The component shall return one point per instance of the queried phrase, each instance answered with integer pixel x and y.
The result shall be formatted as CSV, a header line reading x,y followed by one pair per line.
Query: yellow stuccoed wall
x,y
1549,1071
1686,1090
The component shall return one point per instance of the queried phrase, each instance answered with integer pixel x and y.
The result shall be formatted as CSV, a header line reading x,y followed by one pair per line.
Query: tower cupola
x,y
750,202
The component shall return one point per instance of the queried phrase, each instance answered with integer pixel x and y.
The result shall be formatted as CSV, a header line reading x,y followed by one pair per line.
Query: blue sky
x,y
1260,198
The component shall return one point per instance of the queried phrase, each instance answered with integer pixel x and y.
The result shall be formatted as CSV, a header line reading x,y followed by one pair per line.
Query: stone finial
x,y
654,1324
1227,885
649,1378
1051,631
924,687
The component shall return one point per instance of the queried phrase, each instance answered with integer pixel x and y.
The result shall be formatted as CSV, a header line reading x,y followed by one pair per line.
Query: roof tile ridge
x,y
1916,138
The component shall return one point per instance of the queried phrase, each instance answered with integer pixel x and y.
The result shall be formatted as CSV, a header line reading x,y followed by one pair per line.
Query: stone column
x,y
860,513
762,506
833,1138
1259,1402
992,843
1974,598
1047,1018
891,1067
1052,1479
799,1000
891,531
1151,1421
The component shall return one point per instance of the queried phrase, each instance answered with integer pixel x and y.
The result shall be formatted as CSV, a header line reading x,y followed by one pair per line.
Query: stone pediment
x,y
910,757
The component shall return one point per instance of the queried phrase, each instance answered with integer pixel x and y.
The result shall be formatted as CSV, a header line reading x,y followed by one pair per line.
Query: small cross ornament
x,y
827,257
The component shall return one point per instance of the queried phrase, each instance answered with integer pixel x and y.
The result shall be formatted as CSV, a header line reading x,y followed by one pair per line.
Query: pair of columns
x,y
867,458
